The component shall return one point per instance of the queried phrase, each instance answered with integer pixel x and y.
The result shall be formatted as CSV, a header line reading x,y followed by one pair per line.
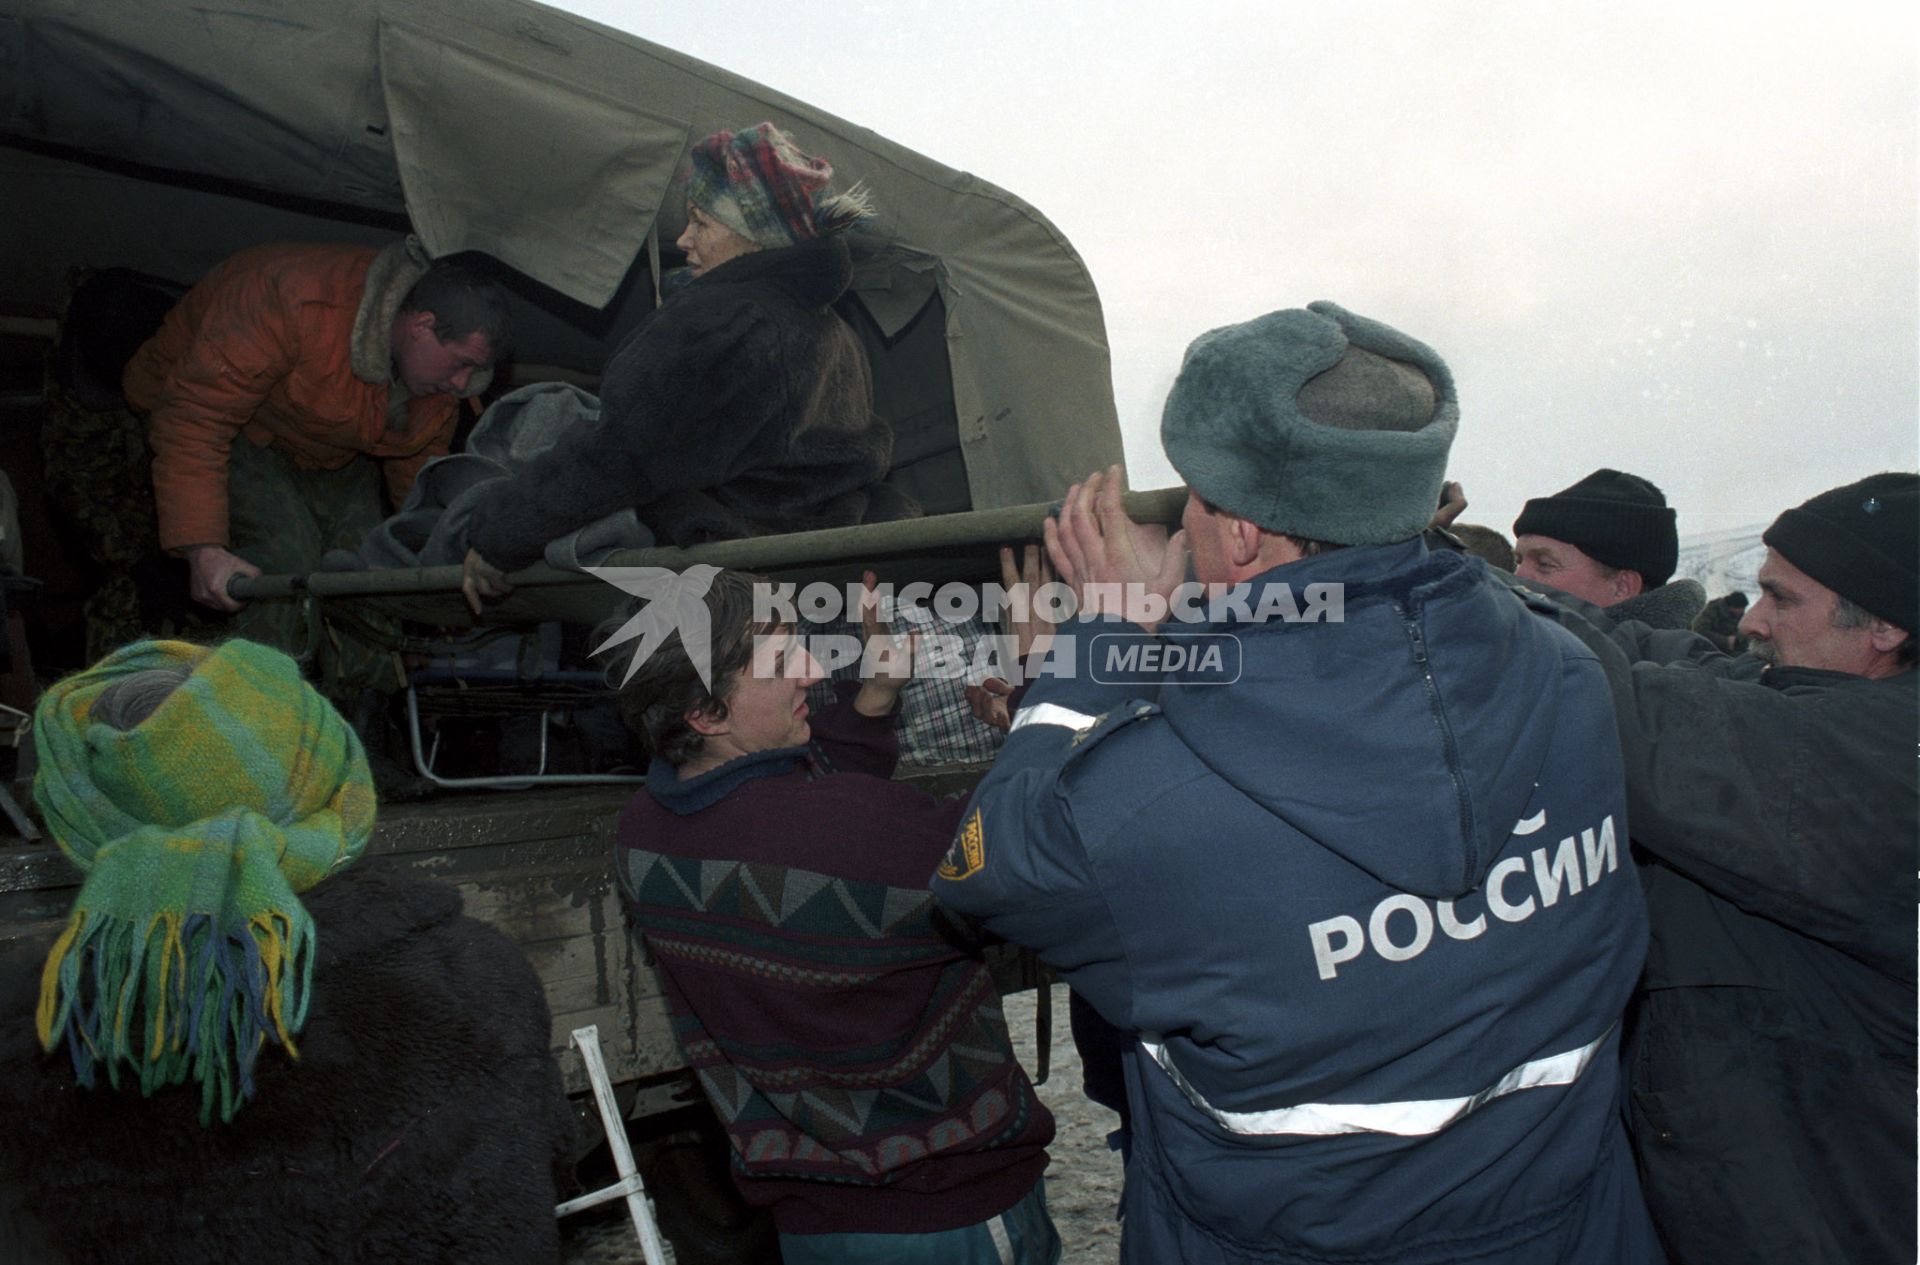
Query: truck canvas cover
x,y
163,136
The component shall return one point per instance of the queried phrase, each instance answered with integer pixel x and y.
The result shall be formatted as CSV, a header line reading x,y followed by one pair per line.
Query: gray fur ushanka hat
x,y
1316,423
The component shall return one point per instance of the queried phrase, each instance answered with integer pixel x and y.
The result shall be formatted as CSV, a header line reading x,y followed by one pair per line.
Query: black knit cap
x,y
1863,542
1617,519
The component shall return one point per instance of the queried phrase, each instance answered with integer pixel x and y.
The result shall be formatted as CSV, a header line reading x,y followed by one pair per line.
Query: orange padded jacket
x,y
287,345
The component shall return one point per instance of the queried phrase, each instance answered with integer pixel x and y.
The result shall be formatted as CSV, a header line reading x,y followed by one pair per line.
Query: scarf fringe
x,y
177,998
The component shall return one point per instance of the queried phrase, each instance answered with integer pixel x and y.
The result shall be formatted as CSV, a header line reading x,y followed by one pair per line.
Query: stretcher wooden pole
x,y
868,543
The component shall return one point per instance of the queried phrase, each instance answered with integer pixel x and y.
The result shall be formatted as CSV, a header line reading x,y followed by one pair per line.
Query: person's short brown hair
x,y
656,703
462,297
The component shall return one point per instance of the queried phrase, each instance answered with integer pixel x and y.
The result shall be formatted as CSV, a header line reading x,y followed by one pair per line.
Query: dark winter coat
x,y
742,405
1368,906
1719,622
1772,1067
422,1121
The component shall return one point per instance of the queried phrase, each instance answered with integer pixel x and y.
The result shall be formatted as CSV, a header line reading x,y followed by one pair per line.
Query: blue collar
x,y
709,788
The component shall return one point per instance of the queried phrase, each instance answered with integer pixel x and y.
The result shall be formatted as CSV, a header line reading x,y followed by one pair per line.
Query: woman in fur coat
x,y
241,1049
742,405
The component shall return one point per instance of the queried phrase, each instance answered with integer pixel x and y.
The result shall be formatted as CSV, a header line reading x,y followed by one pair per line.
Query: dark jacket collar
x,y
709,788
1790,678
1671,605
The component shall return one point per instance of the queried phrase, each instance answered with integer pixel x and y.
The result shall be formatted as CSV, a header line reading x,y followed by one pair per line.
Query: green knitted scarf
x,y
187,949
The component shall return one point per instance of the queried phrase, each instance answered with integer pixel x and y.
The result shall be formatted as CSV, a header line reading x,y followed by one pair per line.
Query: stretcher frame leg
x,y
629,1187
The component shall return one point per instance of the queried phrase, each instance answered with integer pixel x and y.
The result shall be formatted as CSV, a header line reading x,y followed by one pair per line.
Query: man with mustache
x,y
1772,1057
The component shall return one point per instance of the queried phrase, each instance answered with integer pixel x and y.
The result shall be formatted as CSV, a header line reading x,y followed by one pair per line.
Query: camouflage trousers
x,y
98,474
282,519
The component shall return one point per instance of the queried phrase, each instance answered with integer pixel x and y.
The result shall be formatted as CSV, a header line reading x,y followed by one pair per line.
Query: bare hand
x,y
211,568
1453,501
887,665
1030,627
989,702
481,579
1114,565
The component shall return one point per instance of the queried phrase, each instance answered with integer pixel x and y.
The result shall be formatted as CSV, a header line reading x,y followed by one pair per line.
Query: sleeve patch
x,y
968,855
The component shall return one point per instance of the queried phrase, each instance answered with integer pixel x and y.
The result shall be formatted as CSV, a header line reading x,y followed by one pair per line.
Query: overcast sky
x,y
1674,238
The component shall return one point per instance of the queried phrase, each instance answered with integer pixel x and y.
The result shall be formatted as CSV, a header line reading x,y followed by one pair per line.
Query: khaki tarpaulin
x,y
164,135
560,182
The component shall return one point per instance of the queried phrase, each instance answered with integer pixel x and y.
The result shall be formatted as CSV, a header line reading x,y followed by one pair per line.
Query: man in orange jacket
x,y
284,384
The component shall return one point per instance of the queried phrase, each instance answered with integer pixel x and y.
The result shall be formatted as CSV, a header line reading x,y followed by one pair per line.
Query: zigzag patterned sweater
x,y
841,1024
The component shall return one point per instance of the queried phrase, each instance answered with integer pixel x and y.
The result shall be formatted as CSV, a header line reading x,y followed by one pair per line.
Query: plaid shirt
x,y
934,724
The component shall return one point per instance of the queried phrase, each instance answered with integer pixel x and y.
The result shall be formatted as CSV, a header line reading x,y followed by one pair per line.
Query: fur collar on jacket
x,y
815,272
389,278
1672,605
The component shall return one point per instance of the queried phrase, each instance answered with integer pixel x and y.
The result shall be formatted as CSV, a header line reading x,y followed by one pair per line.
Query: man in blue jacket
x,y
1353,872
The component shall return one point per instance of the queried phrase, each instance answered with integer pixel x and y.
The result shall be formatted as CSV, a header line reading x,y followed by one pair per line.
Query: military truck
x,y
162,136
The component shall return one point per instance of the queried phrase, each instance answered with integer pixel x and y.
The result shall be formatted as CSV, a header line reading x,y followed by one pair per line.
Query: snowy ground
x,y
1083,1181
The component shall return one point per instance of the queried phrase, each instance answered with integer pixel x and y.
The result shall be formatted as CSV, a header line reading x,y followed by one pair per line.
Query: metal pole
x,y
587,1041
504,781
866,543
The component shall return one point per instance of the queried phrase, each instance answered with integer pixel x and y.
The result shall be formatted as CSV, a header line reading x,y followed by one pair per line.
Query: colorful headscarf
x,y
761,186
187,949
